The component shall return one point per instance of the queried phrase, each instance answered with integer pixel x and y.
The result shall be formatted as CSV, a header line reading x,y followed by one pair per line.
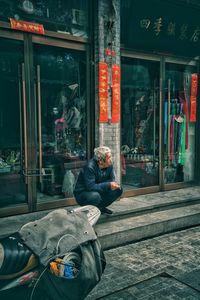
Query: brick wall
x,y
107,35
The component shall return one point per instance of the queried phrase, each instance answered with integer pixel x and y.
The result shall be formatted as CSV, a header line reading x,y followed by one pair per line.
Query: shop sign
x,y
166,26
103,92
193,97
27,26
115,94
170,29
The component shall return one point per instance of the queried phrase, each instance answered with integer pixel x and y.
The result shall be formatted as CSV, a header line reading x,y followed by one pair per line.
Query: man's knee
x,y
89,198
95,196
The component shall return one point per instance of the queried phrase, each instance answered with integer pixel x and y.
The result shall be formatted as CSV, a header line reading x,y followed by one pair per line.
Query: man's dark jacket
x,y
92,178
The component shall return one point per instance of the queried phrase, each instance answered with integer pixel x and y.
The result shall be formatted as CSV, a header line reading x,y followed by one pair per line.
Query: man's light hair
x,y
100,153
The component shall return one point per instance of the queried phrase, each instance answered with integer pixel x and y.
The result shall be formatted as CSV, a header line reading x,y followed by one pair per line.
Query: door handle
x,y
168,120
38,172
20,115
155,133
39,120
25,120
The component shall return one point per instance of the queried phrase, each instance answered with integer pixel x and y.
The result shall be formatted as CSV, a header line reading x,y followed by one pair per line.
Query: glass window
x,y
140,123
179,122
12,184
61,79
69,17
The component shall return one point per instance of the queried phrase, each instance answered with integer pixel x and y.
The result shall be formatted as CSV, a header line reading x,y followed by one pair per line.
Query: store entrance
x,y
43,126
140,123
159,120
60,95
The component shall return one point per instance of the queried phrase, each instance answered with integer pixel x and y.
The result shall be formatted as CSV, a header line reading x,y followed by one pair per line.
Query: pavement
x,y
164,267
141,203
145,216
127,205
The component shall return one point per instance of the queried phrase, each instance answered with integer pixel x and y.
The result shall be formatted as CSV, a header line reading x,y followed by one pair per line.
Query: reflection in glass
x,y
69,17
61,98
179,123
140,122
12,187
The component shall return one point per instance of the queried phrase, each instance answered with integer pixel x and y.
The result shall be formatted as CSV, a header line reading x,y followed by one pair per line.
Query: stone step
x,y
113,233
124,225
127,207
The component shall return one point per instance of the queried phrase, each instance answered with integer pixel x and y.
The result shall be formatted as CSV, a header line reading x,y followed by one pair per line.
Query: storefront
x,y
159,103
52,109
45,106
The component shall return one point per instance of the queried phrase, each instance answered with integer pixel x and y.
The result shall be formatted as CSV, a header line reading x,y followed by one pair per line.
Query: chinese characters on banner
x,y
115,94
193,97
26,26
103,92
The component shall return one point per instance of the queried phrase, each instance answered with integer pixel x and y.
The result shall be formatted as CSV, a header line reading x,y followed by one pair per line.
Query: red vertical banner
x,y
103,92
193,97
115,94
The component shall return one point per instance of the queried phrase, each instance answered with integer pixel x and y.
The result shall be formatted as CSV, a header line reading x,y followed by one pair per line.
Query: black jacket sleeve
x,y
90,181
96,179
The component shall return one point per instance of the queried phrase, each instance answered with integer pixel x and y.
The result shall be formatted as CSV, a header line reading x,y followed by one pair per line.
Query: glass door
x,y
43,118
140,123
13,156
60,95
181,83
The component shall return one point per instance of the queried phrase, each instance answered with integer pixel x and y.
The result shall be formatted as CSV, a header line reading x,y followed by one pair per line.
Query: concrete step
x,y
116,232
127,207
134,218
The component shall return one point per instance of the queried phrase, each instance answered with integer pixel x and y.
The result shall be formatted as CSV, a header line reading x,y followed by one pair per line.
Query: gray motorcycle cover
x,y
56,235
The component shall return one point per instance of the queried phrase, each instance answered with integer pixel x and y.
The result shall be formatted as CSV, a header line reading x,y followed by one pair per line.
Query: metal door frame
x,y
48,41
55,40
163,59
25,207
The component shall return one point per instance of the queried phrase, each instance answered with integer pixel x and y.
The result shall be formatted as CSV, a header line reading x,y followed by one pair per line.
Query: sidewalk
x,y
141,217
149,201
124,207
165,267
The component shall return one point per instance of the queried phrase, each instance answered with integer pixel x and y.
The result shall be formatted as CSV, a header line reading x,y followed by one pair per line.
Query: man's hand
x,y
114,185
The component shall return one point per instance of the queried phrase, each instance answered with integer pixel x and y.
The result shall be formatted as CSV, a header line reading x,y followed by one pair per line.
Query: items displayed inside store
x,y
69,17
140,123
43,107
181,86
62,131
161,49
43,137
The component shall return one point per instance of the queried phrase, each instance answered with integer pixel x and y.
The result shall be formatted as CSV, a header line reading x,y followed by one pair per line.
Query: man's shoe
x,y
106,211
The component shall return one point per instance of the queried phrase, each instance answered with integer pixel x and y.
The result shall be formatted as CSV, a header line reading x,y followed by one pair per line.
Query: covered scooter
x,y
66,250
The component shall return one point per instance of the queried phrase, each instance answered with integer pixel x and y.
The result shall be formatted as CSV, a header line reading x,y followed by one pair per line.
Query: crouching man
x,y
96,183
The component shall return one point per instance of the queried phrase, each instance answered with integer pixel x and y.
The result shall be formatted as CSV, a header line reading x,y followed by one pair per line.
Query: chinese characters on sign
x,y
195,35
183,31
157,26
27,26
103,92
115,94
